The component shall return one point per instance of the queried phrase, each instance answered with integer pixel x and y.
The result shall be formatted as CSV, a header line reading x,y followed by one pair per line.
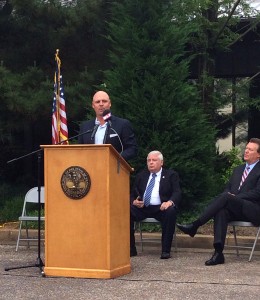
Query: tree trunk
x,y
253,113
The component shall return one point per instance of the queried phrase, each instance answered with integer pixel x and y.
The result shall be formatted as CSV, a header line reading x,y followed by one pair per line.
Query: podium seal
x,y
75,182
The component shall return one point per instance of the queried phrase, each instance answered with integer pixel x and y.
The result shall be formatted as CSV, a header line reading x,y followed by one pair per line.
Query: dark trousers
x,y
226,208
166,217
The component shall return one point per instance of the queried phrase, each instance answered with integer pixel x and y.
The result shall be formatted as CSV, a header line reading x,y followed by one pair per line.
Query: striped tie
x,y
148,192
244,176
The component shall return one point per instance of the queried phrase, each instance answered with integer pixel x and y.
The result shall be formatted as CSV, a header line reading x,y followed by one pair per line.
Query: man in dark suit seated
x,y
155,194
108,129
240,201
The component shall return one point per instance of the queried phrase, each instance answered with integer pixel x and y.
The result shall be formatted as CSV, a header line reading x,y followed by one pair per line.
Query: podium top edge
x,y
77,145
99,146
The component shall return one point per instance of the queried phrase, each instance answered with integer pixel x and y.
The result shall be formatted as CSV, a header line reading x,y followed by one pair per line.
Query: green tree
x,y
24,114
36,28
26,107
215,24
30,32
148,85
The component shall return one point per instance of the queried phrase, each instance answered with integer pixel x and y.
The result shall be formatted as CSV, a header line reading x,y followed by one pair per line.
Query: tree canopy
x,y
141,53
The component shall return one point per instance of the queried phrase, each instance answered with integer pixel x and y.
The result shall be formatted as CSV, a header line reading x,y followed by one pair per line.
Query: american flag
x,y
59,118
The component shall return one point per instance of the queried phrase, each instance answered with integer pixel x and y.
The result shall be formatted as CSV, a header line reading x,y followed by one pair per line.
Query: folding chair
x,y
138,227
247,245
30,197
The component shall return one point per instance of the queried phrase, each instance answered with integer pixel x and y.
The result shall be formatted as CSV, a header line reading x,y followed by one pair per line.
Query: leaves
x,y
148,85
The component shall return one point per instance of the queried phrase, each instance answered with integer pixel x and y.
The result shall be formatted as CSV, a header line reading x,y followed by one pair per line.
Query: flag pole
x,y
59,117
57,81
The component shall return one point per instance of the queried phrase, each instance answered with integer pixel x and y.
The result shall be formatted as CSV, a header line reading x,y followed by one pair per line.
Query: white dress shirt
x,y
155,197
99,136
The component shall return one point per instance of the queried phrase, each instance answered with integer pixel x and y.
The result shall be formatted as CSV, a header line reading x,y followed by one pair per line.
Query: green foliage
x,y
216,27
26,103
224,166
31,33
147,78
11,202
18,94
233,158
33,211
36,28
11,210
151,227
188,216
148,85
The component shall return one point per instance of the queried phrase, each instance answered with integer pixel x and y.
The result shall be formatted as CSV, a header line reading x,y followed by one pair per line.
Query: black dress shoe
x,y
216,259
165,255
189,229
133,251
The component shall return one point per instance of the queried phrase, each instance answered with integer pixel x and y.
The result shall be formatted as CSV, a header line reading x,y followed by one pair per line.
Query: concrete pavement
x,y
184,276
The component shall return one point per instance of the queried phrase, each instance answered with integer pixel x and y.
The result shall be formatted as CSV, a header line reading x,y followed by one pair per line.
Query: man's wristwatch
x,y
172,202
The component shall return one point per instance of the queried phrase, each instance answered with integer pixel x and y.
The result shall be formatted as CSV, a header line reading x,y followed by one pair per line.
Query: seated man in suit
x,y
240,201
155,194
107,129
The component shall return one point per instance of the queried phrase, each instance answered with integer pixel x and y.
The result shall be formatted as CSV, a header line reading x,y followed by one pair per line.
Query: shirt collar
x,y
158,173
252,165
97,122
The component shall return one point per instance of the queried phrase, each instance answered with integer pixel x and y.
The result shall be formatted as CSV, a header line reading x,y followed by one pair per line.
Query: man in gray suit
x,y
155,194
240,201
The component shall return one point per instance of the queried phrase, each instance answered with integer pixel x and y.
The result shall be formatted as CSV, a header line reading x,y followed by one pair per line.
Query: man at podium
x,y
155,194
108,129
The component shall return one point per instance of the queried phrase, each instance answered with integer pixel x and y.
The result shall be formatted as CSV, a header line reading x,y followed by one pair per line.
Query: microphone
x,y
83,133
94,131
107,116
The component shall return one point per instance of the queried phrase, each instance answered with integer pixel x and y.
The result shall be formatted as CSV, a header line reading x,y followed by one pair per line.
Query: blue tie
x,y
148,192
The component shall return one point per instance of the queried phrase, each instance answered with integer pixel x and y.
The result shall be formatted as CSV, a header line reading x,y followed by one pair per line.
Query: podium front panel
x,y
87,237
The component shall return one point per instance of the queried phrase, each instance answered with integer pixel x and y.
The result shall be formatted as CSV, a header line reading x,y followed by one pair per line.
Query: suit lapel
x,y
107,139
163,174
252,172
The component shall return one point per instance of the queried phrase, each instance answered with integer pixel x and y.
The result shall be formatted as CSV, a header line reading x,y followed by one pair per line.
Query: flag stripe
x,y
59,117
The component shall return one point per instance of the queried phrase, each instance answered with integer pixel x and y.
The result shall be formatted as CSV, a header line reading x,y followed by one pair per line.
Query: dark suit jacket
x,y
250,189
121,129
169,188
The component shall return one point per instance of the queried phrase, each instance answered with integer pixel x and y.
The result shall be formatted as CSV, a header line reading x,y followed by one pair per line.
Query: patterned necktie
x,y
244,176
148,192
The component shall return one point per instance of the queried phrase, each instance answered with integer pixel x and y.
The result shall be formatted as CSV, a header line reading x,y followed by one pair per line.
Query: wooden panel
x,y
87,237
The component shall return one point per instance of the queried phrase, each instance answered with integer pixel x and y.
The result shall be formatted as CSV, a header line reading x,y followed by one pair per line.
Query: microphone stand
x,y
39,263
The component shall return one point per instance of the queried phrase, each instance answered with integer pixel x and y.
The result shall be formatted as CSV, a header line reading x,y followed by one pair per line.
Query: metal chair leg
x,y
253,248
235,237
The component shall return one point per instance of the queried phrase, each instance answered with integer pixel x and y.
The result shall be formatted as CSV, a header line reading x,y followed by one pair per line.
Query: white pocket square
x,y
112,135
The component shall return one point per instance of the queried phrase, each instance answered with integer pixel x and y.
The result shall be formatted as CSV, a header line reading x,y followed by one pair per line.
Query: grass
x,y
11,202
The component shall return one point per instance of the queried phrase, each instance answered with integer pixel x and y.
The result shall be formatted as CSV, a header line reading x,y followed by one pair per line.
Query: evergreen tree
x,y
148,85
26,109
36,28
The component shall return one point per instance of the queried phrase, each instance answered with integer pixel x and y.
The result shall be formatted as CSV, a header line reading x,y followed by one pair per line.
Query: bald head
x,y
101,95
100,102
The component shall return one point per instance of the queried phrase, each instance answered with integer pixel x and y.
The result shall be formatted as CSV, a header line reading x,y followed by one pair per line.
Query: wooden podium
x,y
87,237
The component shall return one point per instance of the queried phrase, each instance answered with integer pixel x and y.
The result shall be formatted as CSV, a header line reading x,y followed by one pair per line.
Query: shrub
x,y
234,159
